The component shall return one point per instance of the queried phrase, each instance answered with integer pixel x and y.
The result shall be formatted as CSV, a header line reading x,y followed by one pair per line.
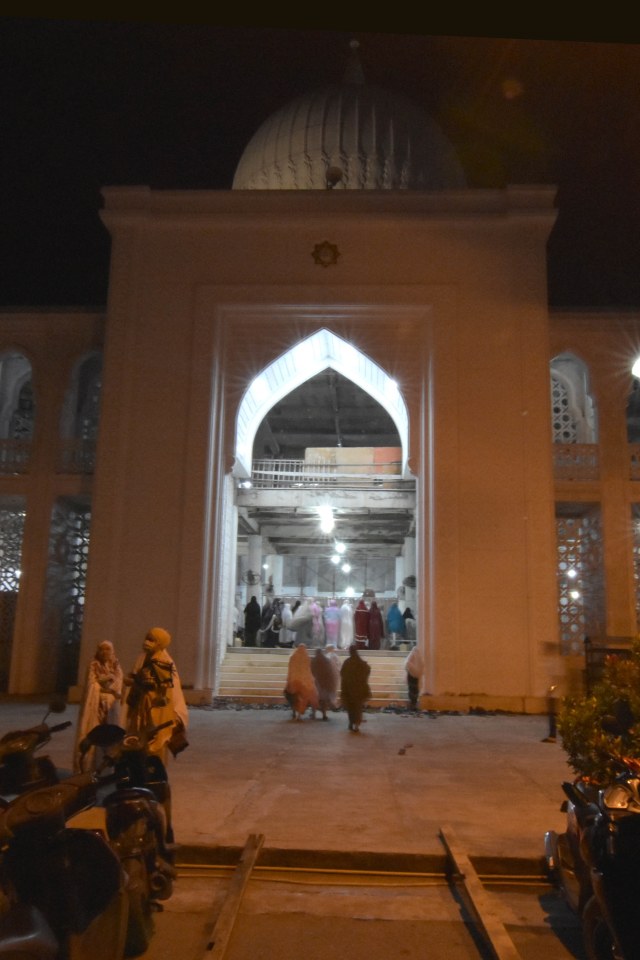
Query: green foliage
x,y
591,750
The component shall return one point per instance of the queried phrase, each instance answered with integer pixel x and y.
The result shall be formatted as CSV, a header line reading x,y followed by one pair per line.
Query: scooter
x,y
596,861
62,888
20,768
137,810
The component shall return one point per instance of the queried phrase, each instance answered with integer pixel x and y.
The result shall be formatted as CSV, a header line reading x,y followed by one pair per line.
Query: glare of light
x,y
335,559
635,369
340,547
245,484
391,388
265,566
574,594
349,592
572,574
260,389
304,355
346,568
327,523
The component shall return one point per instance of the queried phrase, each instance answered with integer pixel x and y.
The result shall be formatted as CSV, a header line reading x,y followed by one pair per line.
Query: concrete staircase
x,y
258,675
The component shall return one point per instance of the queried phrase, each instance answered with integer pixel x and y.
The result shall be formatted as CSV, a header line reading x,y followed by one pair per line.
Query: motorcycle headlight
x,y
622,796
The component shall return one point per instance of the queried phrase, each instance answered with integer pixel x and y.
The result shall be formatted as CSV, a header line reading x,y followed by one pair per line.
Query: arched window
x,y
17,412
80,416
572,407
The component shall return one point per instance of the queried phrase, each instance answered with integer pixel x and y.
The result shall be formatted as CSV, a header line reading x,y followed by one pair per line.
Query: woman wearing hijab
x,y
155,695
326,674
375,627
361,625
355,690
395,625
300,689
252,618
332,622
101,701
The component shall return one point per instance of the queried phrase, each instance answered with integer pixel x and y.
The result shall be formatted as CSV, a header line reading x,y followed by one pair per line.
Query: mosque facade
x,y
349,240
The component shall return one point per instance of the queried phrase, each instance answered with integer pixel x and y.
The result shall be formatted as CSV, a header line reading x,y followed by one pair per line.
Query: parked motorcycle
x,y
62,888
20,768
596,861
137,810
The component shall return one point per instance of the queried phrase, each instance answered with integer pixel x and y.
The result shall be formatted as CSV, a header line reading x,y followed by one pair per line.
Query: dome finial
x,y
354,72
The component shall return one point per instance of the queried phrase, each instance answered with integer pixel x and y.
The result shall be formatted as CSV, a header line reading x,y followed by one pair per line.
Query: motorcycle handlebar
x,y
60,726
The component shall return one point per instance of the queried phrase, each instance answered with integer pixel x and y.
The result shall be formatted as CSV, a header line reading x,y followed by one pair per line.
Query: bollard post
x,y
552,735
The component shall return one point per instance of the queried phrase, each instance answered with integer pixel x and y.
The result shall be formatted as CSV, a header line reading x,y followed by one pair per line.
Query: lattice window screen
x,y
635,518
12,520
563,423
580,578
65,589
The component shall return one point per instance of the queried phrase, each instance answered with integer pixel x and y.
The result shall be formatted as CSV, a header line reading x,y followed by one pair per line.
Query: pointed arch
x,y
304,360
574,415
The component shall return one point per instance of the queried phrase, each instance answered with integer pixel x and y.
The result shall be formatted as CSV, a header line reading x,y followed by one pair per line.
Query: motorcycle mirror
x,y
58,705
104,735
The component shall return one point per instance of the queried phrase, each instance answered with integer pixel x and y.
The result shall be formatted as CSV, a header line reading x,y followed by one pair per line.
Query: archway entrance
x,y
321,466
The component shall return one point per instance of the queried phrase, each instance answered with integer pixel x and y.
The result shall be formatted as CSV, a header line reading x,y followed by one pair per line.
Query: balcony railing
x,y
293,474
76,456
576,461
14,456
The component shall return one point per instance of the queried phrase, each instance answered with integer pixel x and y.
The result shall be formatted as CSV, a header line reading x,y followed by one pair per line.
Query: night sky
x,y
87,104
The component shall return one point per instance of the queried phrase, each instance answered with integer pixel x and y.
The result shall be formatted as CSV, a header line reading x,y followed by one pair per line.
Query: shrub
x,y
584,722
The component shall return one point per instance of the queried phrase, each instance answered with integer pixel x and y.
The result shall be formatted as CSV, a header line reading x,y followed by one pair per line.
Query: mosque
x,y
350,332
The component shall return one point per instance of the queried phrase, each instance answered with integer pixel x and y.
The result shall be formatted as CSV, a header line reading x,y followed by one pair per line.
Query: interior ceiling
x,y
328,410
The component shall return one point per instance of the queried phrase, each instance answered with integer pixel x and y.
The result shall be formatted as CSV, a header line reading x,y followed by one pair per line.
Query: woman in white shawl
x,y
101,701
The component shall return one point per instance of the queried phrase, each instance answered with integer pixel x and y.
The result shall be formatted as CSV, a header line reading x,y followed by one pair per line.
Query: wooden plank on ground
x,y
483,904
223,928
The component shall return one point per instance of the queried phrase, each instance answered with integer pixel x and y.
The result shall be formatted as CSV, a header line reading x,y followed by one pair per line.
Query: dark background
x,y
90,103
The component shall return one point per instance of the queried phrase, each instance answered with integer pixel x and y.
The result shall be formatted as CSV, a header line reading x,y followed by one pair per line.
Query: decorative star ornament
x,y
325,254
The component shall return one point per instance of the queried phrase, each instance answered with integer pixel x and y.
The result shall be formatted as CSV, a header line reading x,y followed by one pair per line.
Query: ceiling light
x,y
635,369
327,523
335,559
346,568
340,547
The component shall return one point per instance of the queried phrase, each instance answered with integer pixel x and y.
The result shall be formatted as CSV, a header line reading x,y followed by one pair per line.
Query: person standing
x,y
395,625
332,622
155,695
355,690
375,627
415,668
327,677
300,689
252,618
361,625
101,701
346,625
317,624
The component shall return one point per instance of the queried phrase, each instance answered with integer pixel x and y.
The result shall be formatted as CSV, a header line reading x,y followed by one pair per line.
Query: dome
x,y
350,136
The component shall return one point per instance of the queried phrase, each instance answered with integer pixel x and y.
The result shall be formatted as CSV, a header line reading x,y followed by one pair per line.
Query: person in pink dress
x,y
332,622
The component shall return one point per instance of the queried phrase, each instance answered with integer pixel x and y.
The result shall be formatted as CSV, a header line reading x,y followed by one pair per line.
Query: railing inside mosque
x,y
576,461
270,474
14,456
76,456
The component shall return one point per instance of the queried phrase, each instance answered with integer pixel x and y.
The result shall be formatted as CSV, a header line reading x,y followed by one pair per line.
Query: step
x,y
258,675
